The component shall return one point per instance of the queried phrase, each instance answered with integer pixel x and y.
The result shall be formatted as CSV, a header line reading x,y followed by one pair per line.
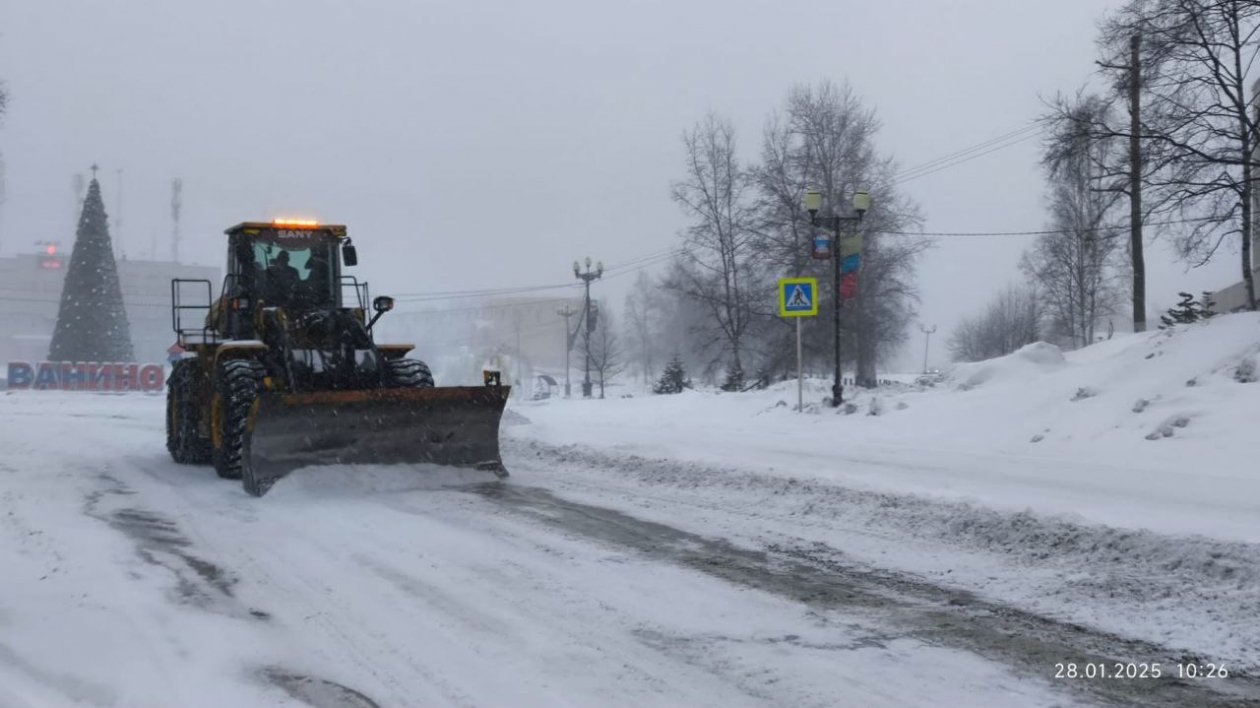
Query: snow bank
x,y
1152,431
1033,359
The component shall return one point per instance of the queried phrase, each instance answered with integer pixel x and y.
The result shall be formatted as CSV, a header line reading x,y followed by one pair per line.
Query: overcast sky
x,y
477,144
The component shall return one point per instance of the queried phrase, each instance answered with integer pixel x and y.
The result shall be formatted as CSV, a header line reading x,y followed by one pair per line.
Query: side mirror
x,y
382,304
348,255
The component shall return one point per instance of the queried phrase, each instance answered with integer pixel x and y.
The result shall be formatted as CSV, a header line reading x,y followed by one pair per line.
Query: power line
x,y
1041,232
923,172
1045,232
57,300
630,266
655,256
498,306
1014,136
486,292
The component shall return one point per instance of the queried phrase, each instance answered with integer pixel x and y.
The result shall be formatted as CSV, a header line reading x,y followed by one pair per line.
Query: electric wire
x,y
909,175
979,149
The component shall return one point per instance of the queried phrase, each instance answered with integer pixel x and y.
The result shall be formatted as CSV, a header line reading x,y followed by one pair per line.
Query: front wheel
x,y
408,373
236,387
183,414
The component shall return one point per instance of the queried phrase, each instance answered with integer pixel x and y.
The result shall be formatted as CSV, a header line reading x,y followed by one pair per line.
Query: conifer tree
x,y
1189,310
1207,305
92,322
1183,313
673,379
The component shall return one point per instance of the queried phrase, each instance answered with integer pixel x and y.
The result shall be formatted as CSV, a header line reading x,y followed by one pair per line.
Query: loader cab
x,y
292,265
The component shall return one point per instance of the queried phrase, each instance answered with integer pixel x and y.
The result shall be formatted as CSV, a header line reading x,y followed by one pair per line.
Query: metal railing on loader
x,y
201,334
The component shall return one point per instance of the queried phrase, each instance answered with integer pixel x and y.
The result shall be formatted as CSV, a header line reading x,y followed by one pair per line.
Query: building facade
x,y
30,295
524,336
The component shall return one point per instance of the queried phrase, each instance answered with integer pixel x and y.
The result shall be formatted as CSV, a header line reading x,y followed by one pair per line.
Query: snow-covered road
x,y
131,581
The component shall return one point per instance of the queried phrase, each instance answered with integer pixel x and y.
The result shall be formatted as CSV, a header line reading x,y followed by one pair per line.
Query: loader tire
x,y
236,391
409,373
183,415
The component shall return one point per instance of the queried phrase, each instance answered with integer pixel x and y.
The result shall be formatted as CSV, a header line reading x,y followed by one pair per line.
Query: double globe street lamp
x,y
588,315
813,203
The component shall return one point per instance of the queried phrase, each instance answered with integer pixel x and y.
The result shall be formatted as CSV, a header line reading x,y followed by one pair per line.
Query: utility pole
x,y
2,192
78,183
118,245
569,336
177,205
929,331
586,277
516,321
1,195
1135,184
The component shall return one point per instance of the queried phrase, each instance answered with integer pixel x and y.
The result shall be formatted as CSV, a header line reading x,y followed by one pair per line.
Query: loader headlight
x,y
383,303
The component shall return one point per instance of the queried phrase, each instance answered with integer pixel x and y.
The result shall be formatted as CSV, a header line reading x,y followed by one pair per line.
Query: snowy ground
x,y
131,581
698,549
1117,487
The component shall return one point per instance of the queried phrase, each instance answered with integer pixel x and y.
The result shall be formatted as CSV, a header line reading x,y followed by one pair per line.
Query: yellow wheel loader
x,y
281,371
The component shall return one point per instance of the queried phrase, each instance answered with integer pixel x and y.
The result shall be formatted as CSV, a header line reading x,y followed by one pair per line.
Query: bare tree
x,y
604,348
4,104
1075,267
1124,174
1009,322
824,138
1198,56
642,321
718,269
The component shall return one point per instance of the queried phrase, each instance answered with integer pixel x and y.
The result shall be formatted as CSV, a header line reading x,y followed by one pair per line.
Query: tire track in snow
x,y
937,615
1191,593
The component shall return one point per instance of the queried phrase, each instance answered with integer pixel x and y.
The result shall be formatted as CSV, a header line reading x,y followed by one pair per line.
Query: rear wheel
x,y
408,373
183,415
236,390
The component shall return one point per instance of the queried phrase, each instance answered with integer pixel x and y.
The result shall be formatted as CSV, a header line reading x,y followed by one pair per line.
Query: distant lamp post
x,y
813,204
587,277
929,331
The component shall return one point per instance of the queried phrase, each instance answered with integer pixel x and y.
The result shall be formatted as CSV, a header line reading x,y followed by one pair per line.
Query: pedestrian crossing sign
x,y
798,297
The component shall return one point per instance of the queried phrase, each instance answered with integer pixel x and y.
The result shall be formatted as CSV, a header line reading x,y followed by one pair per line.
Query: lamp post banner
x,y
822,248
849,286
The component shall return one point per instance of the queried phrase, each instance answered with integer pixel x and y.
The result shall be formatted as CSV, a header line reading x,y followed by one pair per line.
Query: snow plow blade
x,y
456,426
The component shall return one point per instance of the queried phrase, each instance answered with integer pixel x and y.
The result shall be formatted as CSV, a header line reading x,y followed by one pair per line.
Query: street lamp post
x,y
926,341
861,203
586,277
569,336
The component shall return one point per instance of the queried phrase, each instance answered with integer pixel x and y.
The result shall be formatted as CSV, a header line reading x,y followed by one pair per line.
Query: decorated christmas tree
x,y
92,322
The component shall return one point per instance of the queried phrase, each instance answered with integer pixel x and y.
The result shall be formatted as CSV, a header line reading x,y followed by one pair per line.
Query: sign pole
x,y
798,297
800,385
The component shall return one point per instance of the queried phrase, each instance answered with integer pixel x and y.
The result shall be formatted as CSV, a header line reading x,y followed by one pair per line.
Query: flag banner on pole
x,y
849,286
822,248
850,245
851,263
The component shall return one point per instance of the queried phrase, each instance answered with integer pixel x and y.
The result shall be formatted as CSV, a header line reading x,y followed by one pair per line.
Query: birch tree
x,y
718,269
642,327
1011,320
1076,268
1198,57
604,348
824,138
